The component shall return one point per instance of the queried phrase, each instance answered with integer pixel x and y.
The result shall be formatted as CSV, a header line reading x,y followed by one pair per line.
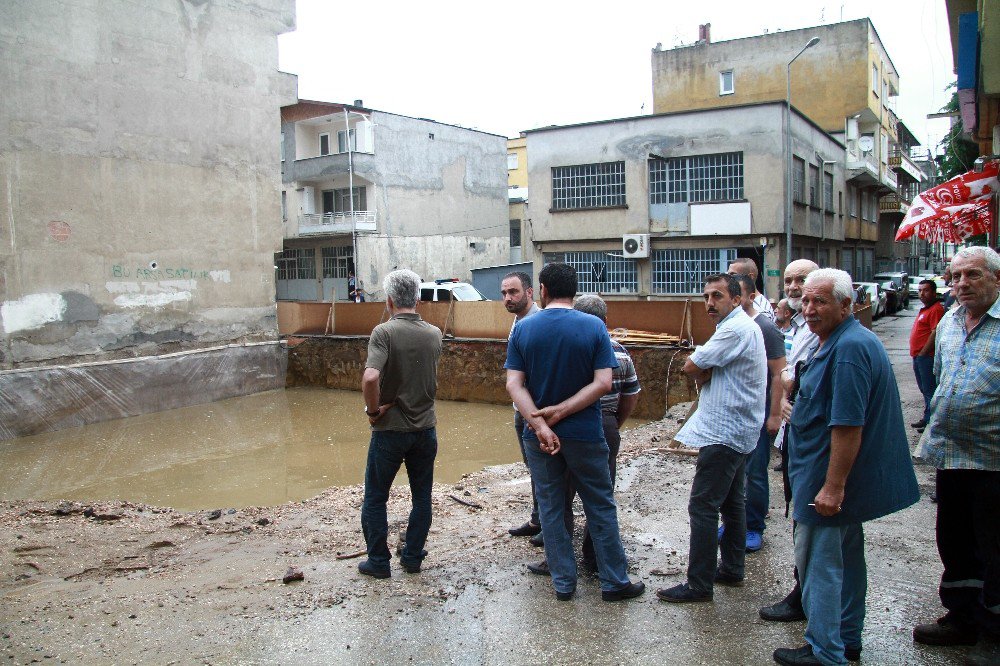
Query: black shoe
x,y
565,596
783,611
852,654
540,569
919,425
528,529
729,580
410,568
630,591
368,569
945,632
682,594
802,656
537,541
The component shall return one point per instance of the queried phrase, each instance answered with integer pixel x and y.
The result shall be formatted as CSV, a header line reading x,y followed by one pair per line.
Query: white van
x,y
449,289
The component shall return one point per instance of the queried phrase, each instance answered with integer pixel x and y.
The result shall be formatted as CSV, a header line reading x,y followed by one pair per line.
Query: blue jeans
x,y
923,368
387,451
585,465
519,430
718,486
834,577
758,495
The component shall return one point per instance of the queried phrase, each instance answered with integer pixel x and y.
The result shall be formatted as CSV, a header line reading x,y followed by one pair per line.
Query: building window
x,y
865,206
515,233
284,205
698,178
840,203
600,272
852,201
324,143
875,78
338,201
684,271
511,161
337,261
726,82
813,184
799,179
824,258
281,147
297,263
828,191
588,186
342,141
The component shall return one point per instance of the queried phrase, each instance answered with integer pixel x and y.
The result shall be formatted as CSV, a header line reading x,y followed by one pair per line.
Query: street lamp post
x,y
788,150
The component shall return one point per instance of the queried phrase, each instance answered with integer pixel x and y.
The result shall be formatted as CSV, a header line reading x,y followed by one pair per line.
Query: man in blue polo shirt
x,y
559,364
849,462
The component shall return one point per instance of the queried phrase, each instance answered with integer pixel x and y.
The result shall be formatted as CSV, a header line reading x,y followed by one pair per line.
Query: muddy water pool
x,y
257,450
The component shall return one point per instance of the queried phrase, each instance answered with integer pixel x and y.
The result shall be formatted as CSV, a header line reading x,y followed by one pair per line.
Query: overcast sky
x,y
509,66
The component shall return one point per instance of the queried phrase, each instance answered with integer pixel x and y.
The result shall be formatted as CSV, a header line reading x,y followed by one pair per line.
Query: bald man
x,y
748,267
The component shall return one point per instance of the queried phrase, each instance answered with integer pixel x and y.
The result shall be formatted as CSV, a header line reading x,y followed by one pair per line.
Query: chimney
x,y
359,103
704,33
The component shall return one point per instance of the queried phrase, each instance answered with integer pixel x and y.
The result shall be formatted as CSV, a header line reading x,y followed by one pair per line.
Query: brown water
x,y
258,450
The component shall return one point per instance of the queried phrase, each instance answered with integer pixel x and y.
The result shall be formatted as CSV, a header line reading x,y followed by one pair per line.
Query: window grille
x,y
588,186
297,263
684,271
337,261
698,178
813,184
515,233
799,179
599,272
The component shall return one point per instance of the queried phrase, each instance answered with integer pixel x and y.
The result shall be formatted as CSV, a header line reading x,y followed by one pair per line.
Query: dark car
x,y
893,299
900,282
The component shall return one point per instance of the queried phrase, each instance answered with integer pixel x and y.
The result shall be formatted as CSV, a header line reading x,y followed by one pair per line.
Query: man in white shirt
x,y
747,266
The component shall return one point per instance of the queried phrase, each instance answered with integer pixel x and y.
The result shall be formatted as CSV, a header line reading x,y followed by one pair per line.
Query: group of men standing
x,y
823,379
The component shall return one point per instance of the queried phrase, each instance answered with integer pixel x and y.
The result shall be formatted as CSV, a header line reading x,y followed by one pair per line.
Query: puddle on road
x,y
257,450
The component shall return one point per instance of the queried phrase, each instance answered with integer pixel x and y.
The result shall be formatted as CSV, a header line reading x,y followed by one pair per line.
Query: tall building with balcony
x,y
367,191
845,83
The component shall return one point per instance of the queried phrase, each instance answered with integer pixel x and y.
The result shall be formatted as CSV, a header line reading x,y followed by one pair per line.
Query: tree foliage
x,y
957,151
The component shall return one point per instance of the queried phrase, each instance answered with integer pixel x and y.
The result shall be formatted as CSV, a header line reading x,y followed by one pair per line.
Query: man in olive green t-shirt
x,y
399,385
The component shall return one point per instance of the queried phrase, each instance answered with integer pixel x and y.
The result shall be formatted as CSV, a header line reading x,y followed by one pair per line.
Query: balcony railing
x,y
899,160
336,223
893,204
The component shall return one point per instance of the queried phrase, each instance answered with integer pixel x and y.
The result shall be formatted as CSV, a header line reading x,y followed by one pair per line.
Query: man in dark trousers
x,y
399,385
559,364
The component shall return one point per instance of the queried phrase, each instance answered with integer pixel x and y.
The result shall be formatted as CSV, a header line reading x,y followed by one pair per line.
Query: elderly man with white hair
x,y
849,462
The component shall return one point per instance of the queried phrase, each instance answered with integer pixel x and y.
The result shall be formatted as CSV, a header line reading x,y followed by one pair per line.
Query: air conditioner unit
x,y
635,246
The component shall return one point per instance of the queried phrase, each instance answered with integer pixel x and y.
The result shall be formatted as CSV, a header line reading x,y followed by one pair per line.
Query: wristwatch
x,y
375,413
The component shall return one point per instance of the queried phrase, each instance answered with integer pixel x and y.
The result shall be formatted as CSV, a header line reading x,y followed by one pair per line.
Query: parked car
x,y
872,290
940,286
448,289
915,285
893,298
900,281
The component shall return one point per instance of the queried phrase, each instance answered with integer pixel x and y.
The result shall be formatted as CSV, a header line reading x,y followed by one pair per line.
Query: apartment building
x,y
646,207
368,191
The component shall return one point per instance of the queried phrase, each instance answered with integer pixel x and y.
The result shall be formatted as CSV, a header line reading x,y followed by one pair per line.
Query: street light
x,y
788,150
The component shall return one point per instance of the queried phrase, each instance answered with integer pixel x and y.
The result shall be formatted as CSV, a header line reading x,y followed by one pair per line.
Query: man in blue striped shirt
x,y
963,443
731,370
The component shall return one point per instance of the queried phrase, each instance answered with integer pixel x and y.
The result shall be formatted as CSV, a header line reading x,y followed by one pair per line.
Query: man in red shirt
x,y
922,346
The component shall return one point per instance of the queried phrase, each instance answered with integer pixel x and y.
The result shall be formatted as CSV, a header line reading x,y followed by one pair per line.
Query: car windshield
x,y
466,292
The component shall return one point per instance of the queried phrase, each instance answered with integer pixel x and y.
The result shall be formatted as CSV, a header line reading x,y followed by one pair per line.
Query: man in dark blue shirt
x,y
559,364
849,462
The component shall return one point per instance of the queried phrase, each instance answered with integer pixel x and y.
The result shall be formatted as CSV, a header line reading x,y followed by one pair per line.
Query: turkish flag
x,y
954,210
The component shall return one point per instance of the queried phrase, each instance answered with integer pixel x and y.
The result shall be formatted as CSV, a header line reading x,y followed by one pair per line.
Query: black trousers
x,y
968,541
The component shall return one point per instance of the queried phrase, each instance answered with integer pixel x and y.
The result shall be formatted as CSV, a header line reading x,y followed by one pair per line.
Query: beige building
x,y
139,190
371,191
845,82
517,197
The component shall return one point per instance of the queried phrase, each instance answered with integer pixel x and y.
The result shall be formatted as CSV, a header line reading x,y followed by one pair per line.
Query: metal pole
x,y
350,195
788,149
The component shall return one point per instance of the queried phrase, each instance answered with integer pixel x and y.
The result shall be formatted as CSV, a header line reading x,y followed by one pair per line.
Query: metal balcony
x,y
311,224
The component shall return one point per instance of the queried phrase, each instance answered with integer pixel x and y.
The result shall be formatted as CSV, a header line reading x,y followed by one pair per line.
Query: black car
x,y
900,282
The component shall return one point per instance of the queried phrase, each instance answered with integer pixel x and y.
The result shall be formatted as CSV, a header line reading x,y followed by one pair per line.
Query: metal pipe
x,y
788,150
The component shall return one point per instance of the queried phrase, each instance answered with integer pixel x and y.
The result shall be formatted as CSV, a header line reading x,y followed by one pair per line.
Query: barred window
x,y
717,177
515,233
799,179
600,272
813,184
588,186
852,201
337,261
684,271
296,263
828,191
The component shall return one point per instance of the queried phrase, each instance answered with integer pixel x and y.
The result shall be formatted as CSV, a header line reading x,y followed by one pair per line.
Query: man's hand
x,y
786,409
829,500
548,441
552,414
773,424
382,409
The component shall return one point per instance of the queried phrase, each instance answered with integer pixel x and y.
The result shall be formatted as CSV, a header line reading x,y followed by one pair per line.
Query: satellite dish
x,y
866,143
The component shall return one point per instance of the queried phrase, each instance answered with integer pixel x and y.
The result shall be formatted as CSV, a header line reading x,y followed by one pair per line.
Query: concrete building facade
x,y
697,188
845,82
138,183
426,196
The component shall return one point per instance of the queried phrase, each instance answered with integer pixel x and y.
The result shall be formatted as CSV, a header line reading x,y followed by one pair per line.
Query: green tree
x,y
957,152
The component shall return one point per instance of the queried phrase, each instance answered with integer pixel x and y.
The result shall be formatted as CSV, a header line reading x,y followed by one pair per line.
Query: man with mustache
x,y
731,369
963,443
